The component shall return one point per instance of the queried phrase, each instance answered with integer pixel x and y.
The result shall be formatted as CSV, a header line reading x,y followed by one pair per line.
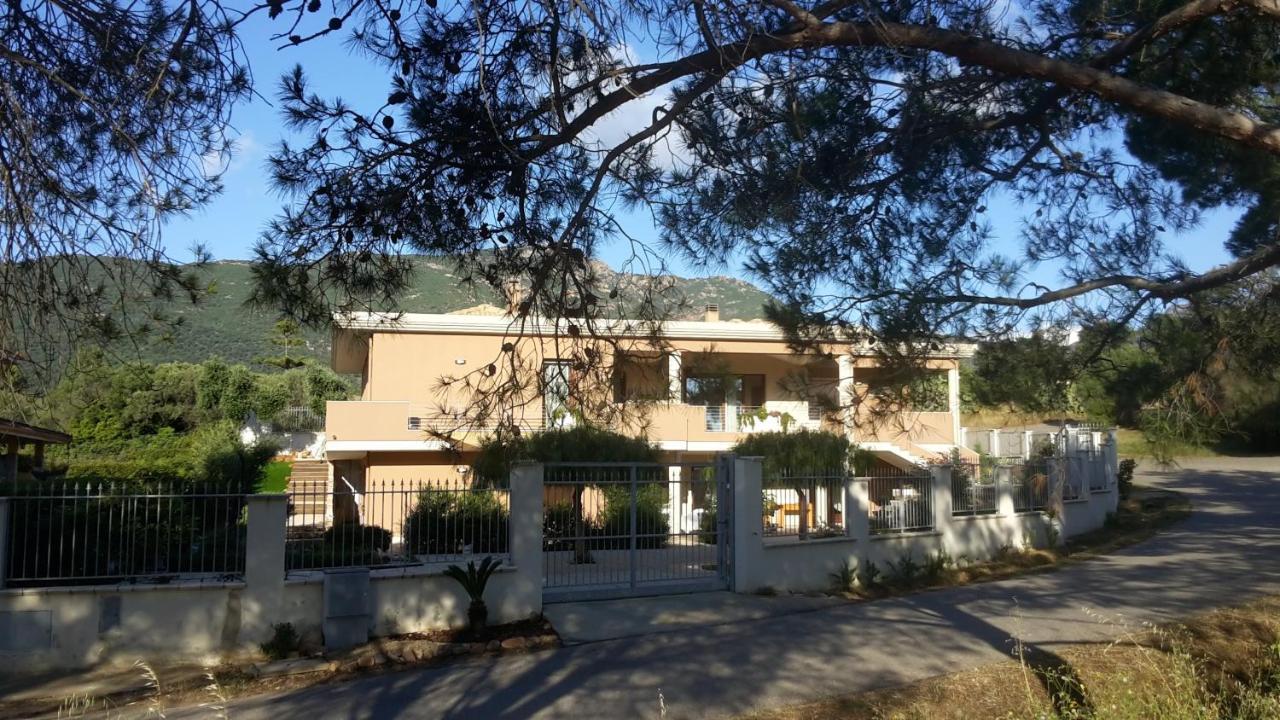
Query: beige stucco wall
x,y
419,373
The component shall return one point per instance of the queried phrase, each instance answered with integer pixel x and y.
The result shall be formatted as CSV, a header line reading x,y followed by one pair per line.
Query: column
x,y
941,496
857,511
821,504
953,402
37,462
847,394
675,499
1004,491
4,539
264,568
675,387
994,443
748,524
525,541
11,461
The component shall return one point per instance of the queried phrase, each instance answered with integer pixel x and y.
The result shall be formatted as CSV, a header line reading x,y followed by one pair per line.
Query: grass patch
x,y
275,477
1137,518
1220,664
1132,443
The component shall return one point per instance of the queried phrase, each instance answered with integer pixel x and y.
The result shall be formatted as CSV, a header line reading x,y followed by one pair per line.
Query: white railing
x,y
804,506
428,419
900,503
757,418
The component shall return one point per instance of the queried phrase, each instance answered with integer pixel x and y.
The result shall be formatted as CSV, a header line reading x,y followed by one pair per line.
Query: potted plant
x,y
473,580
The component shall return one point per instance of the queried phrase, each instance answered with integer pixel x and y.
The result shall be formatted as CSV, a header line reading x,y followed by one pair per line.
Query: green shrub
x,y
358,537
845,579
707,528
283,643
451,522
652,526
581,443
904,573
1124,477
803,452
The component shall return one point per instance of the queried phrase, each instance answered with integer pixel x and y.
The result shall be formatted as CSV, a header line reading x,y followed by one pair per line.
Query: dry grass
x,y
1221,664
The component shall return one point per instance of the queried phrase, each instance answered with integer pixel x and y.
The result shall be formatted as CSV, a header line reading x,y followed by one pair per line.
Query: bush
x,y
652,526
447,523
707,527
1124,477
283,643
357,536
803,452
581,443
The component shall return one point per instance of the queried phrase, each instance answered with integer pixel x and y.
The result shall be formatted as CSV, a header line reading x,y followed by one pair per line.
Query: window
x,y
555,394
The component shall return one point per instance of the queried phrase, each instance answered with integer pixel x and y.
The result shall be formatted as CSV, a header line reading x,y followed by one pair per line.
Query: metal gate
x,y
626,529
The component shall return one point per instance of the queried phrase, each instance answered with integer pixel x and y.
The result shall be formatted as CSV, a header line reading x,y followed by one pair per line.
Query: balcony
x,y
757,418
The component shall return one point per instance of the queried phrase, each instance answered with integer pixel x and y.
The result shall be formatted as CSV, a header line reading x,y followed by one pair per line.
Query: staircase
x,y
309,493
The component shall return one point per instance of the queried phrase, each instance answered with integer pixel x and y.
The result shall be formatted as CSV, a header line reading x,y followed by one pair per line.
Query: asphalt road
x,y
1227,552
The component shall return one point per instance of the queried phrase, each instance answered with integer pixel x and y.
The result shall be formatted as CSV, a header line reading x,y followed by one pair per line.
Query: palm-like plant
x,y
473,580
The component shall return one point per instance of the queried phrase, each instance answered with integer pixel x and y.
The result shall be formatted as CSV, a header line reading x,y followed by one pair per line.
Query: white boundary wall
x,y
201,621
790,564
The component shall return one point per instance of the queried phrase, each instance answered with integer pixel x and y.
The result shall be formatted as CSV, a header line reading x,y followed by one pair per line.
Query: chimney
x,y
713,313
515,296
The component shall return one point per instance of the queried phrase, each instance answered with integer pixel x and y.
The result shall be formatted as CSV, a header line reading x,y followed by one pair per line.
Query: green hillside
x,y
221,324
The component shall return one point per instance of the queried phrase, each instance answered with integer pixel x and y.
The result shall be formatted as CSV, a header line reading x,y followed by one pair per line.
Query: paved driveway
x,y
1227,552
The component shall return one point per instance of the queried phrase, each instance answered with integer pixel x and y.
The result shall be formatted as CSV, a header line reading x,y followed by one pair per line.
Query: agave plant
x,y
473,580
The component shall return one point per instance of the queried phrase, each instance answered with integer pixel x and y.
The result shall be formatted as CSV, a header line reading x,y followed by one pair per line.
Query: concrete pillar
x,y
748,524
675,499
953,402
263,599
675,386
1004,490
526,529
4,539
993,440
847,394
37,462
941,498
857,512
1026,444
11,461
821,505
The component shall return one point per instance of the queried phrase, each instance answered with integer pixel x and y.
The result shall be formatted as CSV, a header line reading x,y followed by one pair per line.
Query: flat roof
x,y
503,325
13,428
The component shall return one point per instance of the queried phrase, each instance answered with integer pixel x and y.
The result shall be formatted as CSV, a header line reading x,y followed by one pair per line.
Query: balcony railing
x,y
424,420
755,418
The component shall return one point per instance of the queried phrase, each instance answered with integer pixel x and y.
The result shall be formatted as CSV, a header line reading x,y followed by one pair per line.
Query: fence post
x,y
4,540
1004,491
857,516
264,565
941,496
525,543
748,523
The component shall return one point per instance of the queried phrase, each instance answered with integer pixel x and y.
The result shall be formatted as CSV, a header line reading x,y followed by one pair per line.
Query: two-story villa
x,y
694,392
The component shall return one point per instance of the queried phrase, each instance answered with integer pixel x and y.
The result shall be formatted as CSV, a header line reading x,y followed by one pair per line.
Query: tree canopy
x,y
114,118
851,152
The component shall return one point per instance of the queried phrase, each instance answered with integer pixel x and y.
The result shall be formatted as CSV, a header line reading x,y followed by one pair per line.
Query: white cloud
x,y
243,148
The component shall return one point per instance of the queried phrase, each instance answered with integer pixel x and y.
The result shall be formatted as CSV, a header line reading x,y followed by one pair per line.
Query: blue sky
x,y
230,225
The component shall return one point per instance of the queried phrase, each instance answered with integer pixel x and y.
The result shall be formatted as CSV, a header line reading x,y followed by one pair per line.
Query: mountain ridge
x,y
223,325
